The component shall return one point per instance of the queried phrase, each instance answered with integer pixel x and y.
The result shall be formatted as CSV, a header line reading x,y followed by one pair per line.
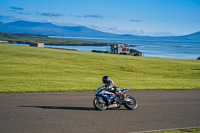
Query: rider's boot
x,y
111,100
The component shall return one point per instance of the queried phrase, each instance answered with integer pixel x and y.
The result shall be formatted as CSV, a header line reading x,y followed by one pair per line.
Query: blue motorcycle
x,y
105,98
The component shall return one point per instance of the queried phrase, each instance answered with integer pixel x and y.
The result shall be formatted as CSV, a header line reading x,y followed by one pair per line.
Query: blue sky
x,y
138,17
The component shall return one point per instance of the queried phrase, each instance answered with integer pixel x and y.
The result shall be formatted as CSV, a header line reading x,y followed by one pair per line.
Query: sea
x,y
189,50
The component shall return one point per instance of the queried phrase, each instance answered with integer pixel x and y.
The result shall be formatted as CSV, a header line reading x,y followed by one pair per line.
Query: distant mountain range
x,y
79,31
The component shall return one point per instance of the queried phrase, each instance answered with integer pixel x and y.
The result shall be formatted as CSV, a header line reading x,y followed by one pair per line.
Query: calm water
x,y
160,49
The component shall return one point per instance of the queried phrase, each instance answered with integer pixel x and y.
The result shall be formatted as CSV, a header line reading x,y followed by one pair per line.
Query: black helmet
x,y
105,79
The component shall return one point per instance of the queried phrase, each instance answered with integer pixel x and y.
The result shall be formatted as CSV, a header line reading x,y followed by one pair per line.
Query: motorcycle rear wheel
x,y
100,103
132,104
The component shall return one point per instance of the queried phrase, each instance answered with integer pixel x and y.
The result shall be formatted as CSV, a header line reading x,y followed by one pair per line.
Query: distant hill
x,y
195,35
79,31
51,29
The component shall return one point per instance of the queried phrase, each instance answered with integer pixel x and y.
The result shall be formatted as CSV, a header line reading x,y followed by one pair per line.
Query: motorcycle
x,y
105,98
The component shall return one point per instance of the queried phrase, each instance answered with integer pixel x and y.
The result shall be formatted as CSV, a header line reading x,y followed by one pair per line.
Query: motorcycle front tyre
x,y
100,105
132,104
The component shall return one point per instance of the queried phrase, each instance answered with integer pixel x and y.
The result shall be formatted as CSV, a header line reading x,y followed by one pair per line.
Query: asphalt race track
x,y
71,112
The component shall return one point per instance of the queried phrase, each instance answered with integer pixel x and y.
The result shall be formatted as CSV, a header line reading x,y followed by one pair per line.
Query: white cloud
x,y
120,30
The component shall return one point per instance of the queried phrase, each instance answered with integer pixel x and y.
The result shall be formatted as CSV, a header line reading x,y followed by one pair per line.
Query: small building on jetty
x,y
121,49
3,41
41,45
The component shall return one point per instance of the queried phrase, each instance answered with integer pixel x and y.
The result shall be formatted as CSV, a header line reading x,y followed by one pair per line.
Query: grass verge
x,y
192,130
31,69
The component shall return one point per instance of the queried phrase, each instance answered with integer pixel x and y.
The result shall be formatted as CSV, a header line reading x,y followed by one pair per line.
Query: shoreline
x,y
171,50
63,44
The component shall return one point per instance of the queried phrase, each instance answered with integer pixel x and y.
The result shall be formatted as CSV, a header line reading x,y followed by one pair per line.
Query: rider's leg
x,y
111,100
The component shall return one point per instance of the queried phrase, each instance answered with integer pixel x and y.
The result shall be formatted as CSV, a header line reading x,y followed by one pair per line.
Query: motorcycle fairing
x,y
103,93
125,90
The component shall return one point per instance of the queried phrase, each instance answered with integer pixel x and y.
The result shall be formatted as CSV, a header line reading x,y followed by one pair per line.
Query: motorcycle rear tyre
x,y
104,107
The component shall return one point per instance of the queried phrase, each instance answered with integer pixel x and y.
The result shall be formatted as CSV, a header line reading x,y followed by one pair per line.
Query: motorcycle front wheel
x,y
132,104
100,103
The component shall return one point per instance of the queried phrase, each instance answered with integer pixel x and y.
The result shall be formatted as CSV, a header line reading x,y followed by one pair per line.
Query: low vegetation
x,y
32,69
193,130
35,38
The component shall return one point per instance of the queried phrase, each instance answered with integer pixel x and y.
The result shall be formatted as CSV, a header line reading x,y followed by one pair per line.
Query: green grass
x,y
31,69
194,130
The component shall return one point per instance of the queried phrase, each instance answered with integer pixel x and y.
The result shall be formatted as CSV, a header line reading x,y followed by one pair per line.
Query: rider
x,y
112,87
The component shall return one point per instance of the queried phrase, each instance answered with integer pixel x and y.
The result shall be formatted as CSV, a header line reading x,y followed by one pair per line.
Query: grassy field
x,y
31,69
